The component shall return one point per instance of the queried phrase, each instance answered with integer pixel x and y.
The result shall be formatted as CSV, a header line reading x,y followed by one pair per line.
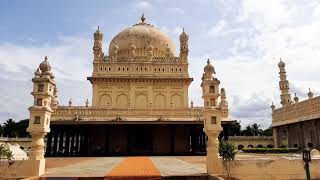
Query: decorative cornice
x,y
139,79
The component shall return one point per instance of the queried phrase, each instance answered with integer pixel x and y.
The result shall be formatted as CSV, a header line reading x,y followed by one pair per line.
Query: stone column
x,y
214,164
37,146
275,136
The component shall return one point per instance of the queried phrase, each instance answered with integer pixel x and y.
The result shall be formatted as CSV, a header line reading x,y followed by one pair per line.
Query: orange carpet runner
x,y
134,168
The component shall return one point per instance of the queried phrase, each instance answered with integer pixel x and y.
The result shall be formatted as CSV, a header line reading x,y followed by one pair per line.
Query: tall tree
x,y
9,128
234,129
268,131
15,129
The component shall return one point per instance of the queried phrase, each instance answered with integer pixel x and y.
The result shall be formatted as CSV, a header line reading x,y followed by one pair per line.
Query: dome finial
x,y
208,61
46,58
273,106
310,94
142,19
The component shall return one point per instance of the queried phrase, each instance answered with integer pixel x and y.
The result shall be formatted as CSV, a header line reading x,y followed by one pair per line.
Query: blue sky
x,y
244,39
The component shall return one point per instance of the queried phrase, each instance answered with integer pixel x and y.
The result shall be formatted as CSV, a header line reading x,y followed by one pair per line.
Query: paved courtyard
x,y
160,166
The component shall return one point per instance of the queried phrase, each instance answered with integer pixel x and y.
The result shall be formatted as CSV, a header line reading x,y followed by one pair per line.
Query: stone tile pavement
x,y
97,167
101,166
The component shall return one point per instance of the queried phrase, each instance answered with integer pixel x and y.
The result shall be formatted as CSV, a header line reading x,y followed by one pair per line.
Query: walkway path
x,y
122,167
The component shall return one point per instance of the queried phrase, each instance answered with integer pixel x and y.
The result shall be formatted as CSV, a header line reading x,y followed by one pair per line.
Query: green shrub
x,y
227,151
271,150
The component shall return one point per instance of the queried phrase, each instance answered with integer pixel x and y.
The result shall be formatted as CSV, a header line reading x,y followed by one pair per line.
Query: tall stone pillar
x,y
212,112
275,136
39,124
214,164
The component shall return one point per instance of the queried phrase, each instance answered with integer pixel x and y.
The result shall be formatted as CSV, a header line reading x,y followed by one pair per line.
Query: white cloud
x,y
255,38
176,10
71,62
217,29
143,5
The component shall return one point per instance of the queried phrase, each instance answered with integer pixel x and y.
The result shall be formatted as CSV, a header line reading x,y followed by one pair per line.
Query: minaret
x,y
212,117
97,46
284,85
184,50
44,94
224,104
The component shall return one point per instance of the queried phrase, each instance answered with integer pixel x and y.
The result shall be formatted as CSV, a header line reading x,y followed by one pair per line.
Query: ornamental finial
x,y
310,94
142,19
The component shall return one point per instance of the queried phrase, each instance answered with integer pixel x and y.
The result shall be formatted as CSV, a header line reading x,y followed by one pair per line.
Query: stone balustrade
x,y
248,138
304,110
140,59
83,112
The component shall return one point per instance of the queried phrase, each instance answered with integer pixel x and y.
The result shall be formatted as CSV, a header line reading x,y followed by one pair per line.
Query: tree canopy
x,y
251,130
11,128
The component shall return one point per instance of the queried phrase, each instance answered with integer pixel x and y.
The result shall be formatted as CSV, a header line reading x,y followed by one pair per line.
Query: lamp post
x,y
306,158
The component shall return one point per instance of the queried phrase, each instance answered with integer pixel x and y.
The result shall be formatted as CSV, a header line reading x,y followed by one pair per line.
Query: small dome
x,y
209,68
281,64
142,35
45,66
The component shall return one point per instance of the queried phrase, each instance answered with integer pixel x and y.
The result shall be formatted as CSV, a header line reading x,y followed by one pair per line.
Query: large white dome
x,y
141,37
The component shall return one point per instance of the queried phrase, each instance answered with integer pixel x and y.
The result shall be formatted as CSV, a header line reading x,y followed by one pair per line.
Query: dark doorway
x,y
140,140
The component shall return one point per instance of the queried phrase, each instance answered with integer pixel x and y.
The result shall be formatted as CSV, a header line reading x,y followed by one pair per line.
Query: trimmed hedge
x,y
271,150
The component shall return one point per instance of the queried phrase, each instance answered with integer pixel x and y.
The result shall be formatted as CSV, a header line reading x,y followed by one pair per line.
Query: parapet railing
x,y
247,138
84,111
140,59
304,108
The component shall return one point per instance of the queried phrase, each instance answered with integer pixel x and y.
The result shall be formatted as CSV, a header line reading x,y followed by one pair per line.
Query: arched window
x,y
36,120
40,87
39,102
260,146
240,147
271,146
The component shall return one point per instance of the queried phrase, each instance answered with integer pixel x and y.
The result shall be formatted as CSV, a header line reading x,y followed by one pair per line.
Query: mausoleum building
x,y
140,103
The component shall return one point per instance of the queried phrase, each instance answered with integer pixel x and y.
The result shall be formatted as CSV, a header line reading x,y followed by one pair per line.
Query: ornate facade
x,y
139,102
295,124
